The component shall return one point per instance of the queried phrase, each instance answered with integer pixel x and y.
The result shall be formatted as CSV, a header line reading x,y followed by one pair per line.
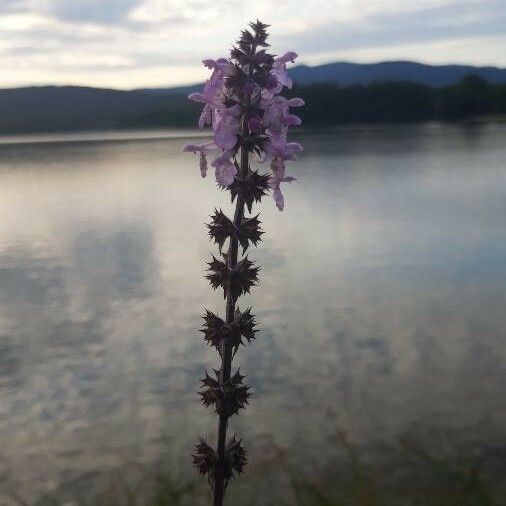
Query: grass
x,y
431,481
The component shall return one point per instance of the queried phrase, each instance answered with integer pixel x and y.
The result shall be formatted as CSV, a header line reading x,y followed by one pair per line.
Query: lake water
x,y
381,304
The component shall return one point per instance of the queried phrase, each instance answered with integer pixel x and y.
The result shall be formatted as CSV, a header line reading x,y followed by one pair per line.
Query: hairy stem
x,y
226,349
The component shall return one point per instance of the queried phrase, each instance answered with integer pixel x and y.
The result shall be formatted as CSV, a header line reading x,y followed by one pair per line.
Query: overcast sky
x,y
132,43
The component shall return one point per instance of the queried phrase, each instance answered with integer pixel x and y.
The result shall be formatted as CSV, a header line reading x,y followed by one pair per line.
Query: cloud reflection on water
x,y
381,300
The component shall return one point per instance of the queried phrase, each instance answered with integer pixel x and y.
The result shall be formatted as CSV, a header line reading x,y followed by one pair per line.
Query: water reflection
x,y
381,303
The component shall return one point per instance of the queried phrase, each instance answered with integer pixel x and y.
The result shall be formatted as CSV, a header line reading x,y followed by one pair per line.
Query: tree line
x,y
330,104
49,109
378,102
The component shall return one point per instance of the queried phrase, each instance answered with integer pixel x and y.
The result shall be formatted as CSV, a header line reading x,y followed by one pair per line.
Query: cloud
x,y
455,20
93,11
160,42
11,6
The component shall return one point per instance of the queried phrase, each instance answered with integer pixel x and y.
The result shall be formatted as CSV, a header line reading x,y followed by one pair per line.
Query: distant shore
x,y
44,110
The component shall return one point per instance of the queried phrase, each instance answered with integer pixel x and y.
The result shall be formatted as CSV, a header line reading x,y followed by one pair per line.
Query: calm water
x,y
382,303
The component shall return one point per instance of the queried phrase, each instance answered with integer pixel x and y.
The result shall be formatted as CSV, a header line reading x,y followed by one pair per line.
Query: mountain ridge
x,y
347,73
357,73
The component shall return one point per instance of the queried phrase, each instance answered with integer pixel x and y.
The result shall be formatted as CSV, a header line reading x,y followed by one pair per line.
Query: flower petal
x,y
278,198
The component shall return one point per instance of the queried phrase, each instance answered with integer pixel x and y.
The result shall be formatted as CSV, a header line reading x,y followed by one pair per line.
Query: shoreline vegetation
x,y
72,109
407,473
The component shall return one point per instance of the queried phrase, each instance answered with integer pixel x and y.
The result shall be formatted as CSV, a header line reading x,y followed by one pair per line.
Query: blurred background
x,y
379,371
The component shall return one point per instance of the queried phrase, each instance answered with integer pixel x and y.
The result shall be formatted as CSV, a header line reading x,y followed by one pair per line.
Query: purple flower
x,y
281,151
220,67
277,117
296,102
279,68
226,126
211,96
279,148
202,149
225,170
247,112
278,177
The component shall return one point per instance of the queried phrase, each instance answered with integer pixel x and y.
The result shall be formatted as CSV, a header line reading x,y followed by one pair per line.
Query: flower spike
x,y
250,121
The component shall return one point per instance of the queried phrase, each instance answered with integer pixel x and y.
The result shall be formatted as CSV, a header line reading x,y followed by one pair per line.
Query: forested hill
x,y
345,73
72,108
55,108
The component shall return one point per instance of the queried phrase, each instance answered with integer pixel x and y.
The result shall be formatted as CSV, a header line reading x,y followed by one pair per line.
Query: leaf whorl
x,y
218,274
220,228
244,277
235,455
227,398
215,329
236,280
251,188
249,231
244,326
205,459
